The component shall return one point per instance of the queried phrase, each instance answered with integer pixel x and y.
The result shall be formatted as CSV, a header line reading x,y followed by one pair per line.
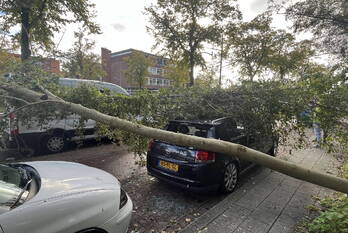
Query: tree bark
x,y
191,72
25,32
240,151
221,57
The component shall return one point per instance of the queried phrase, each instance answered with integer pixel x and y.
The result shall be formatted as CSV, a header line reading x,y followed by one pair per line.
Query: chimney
x,y
106,64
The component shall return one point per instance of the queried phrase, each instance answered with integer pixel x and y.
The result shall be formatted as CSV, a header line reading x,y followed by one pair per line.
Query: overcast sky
x,y
123,24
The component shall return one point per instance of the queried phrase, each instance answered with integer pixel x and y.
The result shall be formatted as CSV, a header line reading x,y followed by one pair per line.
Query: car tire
x,y
230,177
54,143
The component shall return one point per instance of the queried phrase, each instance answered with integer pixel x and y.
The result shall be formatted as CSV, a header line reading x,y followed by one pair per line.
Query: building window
x,y
153,81
152,70
156,71
158,82
161,62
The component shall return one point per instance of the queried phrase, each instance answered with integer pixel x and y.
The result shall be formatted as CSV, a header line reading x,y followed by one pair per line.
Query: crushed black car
x,y
199,170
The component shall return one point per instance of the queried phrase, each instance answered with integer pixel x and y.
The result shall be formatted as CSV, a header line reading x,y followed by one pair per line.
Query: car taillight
x,y
150,146
14,132
13,124
205,156
12,116
123,198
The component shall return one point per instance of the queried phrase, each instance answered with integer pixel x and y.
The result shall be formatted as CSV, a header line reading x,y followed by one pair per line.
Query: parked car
x,y
53,135
61,197
199,170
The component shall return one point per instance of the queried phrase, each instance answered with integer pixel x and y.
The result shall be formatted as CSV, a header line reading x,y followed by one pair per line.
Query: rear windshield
x,y
190,129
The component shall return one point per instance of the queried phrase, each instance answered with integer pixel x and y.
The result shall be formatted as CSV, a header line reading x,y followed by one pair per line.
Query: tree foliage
x,y
177,72
137,71
328,91
81,62
183,26
207,79
256,47
327,20
40,19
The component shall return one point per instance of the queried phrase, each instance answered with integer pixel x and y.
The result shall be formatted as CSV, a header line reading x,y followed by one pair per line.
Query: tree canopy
x,y
256,47
80,61
183,26
137,71
40,19
327,20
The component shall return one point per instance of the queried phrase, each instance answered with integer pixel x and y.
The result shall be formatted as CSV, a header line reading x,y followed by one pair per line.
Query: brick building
x,y
115,66
48,64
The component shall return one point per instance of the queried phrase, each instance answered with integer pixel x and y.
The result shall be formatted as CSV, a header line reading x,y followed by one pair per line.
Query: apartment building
x,y
115,66
48,64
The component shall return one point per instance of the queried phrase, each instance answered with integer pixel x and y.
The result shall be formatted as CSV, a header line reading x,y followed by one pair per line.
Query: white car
x,y
61,197
53,134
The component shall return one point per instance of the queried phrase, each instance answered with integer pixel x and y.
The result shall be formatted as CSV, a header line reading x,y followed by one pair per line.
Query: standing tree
x,y
177,72
81,62
137,70
251,44
183,26
39,19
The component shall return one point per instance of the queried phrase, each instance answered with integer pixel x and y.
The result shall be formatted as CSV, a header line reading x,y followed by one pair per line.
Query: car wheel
x,y
230,178
53,143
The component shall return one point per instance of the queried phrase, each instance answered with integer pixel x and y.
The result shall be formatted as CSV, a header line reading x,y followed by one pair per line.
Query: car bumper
x,y
193,177
120,222
184,184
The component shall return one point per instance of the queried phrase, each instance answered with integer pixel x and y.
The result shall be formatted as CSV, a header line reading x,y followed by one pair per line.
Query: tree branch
x,y
28,105
14,98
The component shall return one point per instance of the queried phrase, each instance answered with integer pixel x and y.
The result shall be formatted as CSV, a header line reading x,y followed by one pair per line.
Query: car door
x,y
260,141
228,131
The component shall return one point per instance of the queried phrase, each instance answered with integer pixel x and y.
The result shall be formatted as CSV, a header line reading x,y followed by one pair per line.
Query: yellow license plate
x,y
169,166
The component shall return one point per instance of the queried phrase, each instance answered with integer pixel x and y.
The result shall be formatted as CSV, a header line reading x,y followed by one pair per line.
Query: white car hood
x,y
59,179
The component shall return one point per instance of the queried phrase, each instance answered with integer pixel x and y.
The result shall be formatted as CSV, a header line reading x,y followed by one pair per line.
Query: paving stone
x,y
255,196
236,210
280,227
265,215
240,230
295,213
253,225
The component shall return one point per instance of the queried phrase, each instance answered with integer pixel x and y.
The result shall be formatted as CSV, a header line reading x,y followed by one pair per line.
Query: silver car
x,y
61,197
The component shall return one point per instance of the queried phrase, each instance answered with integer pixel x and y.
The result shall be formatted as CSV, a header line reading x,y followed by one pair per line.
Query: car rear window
x,y
190,129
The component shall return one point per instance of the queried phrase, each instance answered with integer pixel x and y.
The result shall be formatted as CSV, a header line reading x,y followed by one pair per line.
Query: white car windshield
x,y
12,183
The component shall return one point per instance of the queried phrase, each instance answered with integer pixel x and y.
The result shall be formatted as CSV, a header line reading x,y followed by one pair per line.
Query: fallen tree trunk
x,y
240,151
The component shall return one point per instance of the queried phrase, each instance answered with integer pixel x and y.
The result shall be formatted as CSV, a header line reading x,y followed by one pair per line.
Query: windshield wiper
x,y
21,194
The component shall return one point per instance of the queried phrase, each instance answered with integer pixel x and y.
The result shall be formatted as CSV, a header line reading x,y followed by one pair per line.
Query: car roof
x,y
202,122
71,82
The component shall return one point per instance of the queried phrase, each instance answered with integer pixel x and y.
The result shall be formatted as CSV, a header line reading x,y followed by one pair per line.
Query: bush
x,y
334,218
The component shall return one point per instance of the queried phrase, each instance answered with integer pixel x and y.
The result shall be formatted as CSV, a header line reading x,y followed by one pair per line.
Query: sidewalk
x,y
272,203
